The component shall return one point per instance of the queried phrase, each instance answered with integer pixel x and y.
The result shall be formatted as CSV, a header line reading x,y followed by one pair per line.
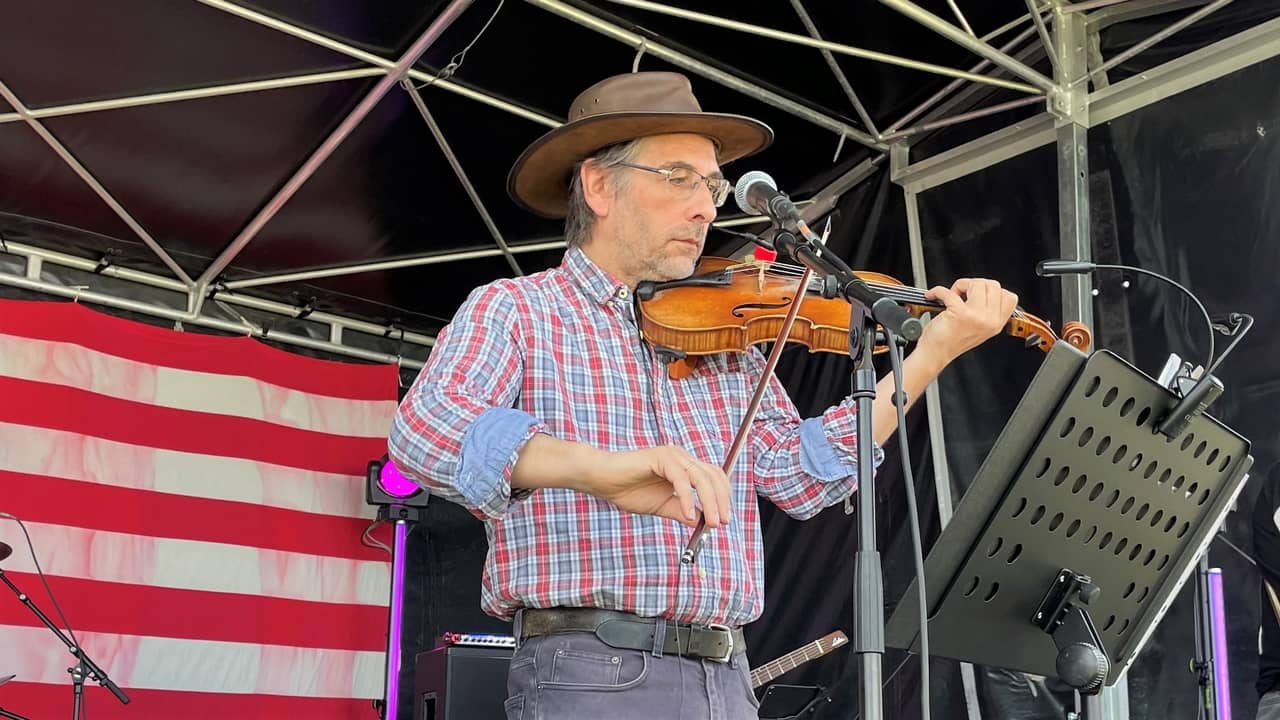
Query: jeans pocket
x,y
521,676
584,670
513,708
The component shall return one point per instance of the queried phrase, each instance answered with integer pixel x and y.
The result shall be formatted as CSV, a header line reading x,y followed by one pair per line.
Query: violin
x,y
728,305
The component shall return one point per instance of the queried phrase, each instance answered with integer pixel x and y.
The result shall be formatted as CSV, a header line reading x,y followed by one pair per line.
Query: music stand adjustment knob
x,y
1083,666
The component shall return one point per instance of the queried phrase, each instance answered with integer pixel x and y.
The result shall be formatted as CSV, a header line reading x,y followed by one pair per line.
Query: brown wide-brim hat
x,y
619,109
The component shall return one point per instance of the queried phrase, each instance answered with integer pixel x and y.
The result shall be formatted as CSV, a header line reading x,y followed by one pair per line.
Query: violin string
x,y
900,293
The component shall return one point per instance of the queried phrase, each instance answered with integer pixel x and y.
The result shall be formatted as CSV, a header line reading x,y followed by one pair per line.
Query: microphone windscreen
x,y
743,186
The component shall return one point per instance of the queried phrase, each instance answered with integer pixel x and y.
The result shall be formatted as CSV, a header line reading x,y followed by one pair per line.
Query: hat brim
x,y
539,180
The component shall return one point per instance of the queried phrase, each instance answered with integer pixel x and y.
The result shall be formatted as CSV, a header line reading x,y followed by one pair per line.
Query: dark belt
x,y
632,632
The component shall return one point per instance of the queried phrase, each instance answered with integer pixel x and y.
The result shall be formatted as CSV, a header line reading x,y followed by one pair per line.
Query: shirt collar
x,y
598,284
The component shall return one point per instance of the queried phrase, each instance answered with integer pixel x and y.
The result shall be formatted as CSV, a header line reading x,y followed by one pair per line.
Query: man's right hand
x,y
658,481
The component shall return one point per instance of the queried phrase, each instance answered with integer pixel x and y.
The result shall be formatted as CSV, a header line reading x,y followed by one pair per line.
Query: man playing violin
x,y
543,412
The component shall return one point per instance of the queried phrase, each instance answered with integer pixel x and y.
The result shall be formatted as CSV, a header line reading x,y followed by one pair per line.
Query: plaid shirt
x,y
559,352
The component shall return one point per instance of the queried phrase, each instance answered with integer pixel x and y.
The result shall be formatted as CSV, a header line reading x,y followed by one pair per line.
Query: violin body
x,y
729,305
748,310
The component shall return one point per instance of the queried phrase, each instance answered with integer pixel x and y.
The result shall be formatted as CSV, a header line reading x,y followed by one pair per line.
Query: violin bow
x,y
694,545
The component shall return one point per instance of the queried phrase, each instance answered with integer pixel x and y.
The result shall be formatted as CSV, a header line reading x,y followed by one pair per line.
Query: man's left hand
x,y
976,310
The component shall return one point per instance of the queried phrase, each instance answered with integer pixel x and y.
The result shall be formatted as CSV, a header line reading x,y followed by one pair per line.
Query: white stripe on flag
x,y
55,453
195,565
153,663
79,367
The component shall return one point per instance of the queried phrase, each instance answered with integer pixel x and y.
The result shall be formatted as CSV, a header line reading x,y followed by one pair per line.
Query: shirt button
x,y
622,293
702,572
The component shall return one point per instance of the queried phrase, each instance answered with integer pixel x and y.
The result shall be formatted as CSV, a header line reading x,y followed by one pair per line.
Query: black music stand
x,y
1079,528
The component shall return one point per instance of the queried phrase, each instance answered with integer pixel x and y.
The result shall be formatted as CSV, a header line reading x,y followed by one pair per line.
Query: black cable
x,y
1207,321
913,517
1222,535
1240,324
62,616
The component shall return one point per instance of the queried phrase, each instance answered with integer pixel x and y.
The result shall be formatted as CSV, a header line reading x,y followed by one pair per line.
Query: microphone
x,y
757,194
1053,268
5,551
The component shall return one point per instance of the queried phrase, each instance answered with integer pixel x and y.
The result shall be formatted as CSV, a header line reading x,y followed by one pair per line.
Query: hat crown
x,y
647,92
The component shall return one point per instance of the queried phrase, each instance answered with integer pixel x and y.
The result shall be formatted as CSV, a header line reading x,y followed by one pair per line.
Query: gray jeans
x,y
575,676
1269,706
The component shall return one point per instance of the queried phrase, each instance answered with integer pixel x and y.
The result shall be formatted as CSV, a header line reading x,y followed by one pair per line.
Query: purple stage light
x,y
395,484
1221,680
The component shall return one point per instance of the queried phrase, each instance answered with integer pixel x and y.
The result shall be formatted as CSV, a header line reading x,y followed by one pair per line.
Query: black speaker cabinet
x,y
461,683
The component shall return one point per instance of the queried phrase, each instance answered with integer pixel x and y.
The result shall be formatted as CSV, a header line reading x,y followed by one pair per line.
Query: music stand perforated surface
x,y
1077,479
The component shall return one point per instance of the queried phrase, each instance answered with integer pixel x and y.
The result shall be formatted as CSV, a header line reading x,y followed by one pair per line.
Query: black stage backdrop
x,y
1186,187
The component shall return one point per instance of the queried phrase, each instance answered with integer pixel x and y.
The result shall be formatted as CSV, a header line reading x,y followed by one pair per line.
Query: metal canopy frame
x,y
1070,110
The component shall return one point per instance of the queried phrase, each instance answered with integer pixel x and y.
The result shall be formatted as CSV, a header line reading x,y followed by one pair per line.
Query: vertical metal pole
x,y
899,156
1070,105
1071,108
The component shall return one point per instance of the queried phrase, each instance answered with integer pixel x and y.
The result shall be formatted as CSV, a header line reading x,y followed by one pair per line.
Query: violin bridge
x,y
761,267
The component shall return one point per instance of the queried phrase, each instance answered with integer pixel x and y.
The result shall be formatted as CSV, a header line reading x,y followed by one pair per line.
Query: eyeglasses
x,y
684,181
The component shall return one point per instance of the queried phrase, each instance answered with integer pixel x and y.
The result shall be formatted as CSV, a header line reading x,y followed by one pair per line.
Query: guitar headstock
x,y
833,640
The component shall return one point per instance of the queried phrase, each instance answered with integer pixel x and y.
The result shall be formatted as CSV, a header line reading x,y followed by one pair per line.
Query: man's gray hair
x,y
581,218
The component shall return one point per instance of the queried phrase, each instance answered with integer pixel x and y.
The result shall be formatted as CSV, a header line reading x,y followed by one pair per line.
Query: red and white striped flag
x,y
197,503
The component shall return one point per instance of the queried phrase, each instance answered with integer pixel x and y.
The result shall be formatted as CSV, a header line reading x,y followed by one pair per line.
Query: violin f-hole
x,y
739,310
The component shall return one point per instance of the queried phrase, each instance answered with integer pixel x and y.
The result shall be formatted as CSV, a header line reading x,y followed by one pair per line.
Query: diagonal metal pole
x,y
395,264
957,84
826,44
1044,35
326,149
1156,38
418,103
195,93
707,70
962,117
93,183
812,28
367,57
955,9
974,45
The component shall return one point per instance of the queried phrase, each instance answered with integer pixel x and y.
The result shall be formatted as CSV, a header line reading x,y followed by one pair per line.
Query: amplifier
x,y
461,682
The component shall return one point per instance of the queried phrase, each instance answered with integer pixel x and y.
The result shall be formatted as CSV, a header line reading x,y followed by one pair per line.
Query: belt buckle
x,y
728,634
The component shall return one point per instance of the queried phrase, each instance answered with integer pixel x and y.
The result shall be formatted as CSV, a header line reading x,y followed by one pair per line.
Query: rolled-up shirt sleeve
x,y
803,466
458,431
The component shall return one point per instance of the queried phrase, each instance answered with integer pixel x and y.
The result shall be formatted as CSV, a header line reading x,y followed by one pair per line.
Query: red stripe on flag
x,y
40,700
74,410
94,606
58,501
74,323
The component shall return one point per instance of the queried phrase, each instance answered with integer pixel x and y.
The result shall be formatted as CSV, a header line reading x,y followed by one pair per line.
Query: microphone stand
x,y
84,668
882,309
867,309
